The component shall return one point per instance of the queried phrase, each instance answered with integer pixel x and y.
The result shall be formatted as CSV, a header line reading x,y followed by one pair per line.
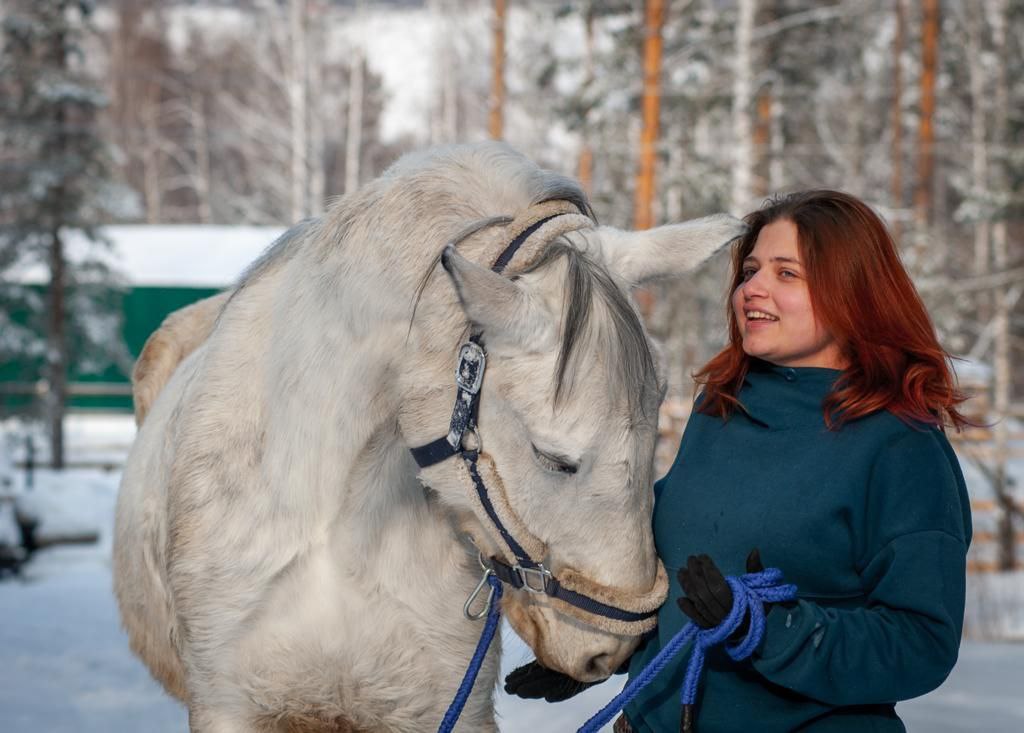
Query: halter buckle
x,y
469,374
542,576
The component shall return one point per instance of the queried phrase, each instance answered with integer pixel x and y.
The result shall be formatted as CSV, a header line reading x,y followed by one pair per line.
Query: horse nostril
x,y
599,667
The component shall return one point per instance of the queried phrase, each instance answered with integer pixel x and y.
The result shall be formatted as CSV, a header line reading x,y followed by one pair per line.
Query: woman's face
x,y
773,305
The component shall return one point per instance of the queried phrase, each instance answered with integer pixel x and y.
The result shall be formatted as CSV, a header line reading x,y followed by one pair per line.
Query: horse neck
x,y
339,350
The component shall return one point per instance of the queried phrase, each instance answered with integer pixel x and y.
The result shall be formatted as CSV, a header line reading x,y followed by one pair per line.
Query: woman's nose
x,y
753,285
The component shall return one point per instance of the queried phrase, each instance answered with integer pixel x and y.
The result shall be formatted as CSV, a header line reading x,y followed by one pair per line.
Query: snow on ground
x,y
65,664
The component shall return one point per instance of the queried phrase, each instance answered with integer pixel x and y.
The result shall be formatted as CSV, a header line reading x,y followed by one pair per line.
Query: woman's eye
x,y
554,463
748,272
787,274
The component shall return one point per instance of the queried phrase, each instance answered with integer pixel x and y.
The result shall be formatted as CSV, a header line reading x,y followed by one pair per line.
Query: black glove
x,y
708,601
534,681
708,598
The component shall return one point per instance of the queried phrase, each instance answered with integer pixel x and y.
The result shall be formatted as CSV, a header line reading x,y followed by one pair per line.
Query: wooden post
x,y
496,120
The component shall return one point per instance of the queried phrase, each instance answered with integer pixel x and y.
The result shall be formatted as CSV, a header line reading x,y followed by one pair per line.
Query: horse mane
x,y
277,253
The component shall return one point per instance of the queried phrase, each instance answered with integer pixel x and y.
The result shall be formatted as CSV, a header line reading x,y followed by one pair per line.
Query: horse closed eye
x,y
557,464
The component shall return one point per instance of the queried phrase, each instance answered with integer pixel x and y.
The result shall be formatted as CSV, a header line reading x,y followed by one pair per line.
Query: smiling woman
x,y
817,439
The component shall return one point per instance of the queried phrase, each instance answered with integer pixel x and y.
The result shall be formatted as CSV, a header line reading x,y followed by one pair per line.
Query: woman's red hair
x,y
862,295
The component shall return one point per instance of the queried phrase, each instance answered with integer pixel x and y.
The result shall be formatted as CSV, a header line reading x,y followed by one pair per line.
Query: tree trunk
x,y
742,166
298,108
354,135
56,338
1003,378
317,139
926,126
762,140
654,19
151,154
896,112
586,157
643,215
201,140
450,101
497,102
776,169
57,348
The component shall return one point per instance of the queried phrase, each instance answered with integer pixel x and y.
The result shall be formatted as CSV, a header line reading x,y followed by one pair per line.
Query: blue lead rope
x,y
459,701
750,592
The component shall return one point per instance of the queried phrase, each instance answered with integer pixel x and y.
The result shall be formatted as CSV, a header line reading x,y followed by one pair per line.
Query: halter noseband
x,y
590,602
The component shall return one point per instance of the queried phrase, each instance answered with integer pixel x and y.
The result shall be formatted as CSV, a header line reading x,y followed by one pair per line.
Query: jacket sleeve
x,y
903,640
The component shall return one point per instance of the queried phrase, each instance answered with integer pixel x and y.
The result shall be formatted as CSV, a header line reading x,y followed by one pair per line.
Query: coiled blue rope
x,y
749,592
459,701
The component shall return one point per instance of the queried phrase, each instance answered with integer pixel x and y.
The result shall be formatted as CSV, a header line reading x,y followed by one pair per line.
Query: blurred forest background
x,y
258,112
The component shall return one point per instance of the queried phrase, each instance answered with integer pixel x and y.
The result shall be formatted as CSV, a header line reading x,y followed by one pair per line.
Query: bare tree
x,y
743,158
497,100
354,134
298,86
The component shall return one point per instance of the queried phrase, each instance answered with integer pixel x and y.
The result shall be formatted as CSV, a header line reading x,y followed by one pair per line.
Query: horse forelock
x,y
596,311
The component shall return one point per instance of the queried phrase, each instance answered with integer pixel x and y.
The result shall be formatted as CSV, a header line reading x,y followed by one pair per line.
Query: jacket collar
x,y
786,397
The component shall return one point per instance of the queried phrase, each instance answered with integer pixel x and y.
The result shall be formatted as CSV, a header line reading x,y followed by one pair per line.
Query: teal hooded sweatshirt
x,y
871,522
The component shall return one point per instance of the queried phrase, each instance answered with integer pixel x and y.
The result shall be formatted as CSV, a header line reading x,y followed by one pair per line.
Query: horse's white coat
x,y
278,563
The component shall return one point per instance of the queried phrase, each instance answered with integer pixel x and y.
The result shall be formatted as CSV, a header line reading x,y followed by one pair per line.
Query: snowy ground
x,y
65,663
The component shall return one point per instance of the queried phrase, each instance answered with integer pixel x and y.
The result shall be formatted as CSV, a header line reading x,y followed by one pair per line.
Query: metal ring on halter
x,y
472,597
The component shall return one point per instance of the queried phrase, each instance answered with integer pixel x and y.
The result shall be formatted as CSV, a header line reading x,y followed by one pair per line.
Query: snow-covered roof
x,y
180,255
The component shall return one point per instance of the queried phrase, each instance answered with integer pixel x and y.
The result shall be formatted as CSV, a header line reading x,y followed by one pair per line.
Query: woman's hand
x,y
708,598
534,681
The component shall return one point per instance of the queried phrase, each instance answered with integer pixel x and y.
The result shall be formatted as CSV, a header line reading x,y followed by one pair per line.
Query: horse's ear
x,y
666,251
503,310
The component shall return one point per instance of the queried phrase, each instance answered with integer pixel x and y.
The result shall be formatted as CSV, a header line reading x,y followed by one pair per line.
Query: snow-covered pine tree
x,y
54,188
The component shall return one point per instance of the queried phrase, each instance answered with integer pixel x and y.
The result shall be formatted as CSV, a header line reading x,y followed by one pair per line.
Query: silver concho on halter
x,y
469,375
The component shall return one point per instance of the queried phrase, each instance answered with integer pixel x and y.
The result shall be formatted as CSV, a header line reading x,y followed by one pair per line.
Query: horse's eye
x,y
557,464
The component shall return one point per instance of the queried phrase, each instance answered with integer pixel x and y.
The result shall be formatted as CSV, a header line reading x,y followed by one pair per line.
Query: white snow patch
x,y
181,255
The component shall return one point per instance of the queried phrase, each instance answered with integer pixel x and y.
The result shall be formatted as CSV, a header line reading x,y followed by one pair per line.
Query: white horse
x,y
281,562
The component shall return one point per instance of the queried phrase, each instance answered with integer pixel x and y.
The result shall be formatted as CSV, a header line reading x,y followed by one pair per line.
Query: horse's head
x,y
567,423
